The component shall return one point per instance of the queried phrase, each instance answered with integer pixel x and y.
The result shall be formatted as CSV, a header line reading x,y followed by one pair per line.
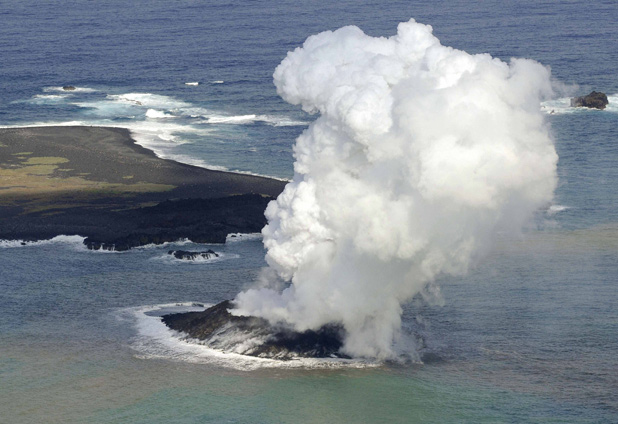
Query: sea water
x,y
529,335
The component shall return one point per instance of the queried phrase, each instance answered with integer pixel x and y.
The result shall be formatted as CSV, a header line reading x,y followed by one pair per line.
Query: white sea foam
x,y
554,209
48,124
217,82
161,138
171,260
149,100
285,122
106,109
155,340
77,90
50,97
181,242
235,237
276,121
612,105
157,114
108,251
239,119
74,241
162,135
557,106
192,83
133,104
45,99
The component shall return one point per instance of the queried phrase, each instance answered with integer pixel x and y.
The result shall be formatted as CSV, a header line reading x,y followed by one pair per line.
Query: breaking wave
x,y
171,260
181,242
44,98
252,119
157,114
149,100
75,241
554,209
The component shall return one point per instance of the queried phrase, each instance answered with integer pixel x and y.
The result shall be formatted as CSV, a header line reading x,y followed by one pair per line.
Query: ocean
x,y
528,335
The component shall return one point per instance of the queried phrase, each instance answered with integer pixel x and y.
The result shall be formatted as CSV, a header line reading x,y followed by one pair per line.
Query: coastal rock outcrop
x,y
191,256
594,100
68,88
217,328
200,220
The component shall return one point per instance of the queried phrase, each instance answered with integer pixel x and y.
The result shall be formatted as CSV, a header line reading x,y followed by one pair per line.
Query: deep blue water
x,y
156,46
530,335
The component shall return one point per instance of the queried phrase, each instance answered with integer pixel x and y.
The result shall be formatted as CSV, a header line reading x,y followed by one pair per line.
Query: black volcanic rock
x,y
594,100
253,336
191,256
68,88
200,220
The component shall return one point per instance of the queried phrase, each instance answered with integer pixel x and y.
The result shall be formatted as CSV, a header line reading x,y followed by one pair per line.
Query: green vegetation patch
x,y
46,160
34,179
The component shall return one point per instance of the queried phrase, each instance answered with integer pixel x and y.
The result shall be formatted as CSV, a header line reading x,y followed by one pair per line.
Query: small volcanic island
x,y
217,328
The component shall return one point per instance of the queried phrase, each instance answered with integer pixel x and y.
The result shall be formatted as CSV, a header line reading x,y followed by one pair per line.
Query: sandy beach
x,y
98,183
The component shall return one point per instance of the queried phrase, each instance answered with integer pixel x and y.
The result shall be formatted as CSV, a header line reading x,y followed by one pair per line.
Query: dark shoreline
x,y
98,183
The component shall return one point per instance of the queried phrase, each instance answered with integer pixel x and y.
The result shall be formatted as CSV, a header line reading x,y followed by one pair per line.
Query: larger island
x,y
98,183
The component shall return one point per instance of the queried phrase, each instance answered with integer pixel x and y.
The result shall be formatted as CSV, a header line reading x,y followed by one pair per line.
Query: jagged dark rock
x,y
200,220
594,100
191,256
68,88
253,336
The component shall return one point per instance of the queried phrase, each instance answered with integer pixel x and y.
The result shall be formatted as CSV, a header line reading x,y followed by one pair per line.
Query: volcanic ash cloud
x,y
420,154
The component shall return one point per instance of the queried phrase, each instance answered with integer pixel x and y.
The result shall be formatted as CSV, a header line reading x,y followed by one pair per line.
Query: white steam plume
x,y
421,153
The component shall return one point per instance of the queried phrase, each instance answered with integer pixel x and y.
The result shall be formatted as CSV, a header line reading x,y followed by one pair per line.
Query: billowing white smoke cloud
x,y
421,153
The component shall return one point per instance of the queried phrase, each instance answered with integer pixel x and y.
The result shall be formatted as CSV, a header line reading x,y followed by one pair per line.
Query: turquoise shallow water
x,y
530,335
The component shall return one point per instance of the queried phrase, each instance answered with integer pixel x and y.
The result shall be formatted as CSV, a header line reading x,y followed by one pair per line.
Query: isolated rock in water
x,y
68,88
217,328
595,100
191,256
